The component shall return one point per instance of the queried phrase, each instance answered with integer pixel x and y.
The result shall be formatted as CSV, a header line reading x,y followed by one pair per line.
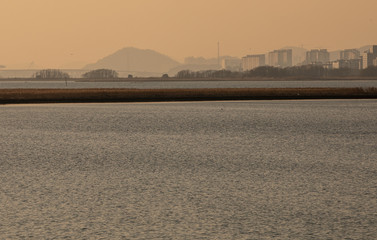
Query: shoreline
x,y
103,95
173,79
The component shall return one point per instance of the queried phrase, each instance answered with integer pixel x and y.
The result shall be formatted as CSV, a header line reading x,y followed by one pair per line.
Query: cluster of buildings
x,y
277,58
349,58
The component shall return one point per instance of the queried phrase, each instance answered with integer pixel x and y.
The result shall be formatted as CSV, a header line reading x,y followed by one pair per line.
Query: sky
x,y
73,33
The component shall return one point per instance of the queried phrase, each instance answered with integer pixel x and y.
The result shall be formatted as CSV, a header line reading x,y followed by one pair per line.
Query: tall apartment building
x,y
250,62
369,56
373,49
316,56
367,59
231,64
280,58
349,54
351,64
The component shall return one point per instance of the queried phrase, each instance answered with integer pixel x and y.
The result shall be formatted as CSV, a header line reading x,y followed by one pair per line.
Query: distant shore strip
x,y
13,96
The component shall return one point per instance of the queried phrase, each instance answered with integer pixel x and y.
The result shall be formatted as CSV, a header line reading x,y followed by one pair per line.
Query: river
x,y
155,84
189,170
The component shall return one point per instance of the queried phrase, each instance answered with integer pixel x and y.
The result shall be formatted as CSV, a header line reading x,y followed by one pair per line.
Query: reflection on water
x,y
205,170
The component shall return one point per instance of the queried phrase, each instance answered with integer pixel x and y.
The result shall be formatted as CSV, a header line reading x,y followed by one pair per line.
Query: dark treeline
x,y
51,74
101,73
298,72
59,74
306,71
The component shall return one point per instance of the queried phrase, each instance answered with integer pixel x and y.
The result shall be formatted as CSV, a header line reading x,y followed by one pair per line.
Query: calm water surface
x,y
190,84
203,170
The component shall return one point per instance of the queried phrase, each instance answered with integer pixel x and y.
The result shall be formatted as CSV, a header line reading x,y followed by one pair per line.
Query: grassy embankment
x,y
9,96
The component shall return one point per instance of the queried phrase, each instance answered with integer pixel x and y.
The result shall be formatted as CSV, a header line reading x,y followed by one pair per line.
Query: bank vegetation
x,y
297,72
9,96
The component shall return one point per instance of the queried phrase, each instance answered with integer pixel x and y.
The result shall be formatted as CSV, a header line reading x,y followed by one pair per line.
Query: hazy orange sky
x,y
72,33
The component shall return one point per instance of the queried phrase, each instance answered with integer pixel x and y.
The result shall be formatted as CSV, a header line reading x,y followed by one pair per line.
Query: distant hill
x,y
136,60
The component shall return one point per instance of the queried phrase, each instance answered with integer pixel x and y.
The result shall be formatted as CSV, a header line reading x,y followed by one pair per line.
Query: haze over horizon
x,y
71,34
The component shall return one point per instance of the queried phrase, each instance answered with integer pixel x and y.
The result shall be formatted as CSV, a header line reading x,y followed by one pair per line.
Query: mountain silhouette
x,y
136,60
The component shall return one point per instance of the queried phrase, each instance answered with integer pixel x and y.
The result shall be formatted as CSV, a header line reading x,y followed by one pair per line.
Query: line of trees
x,y
101,74
370,72
58,74
306,71
208,74
51,74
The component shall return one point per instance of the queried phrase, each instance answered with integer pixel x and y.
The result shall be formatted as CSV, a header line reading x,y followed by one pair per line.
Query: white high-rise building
x,y
250,62
320,56
369,56
280,58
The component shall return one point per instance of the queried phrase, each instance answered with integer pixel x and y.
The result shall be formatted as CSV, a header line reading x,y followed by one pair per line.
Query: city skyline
x,y
72,34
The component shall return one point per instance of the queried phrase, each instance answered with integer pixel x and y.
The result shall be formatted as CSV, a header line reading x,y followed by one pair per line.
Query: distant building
x,y
373,49
355,64
369,57
250,62
328,65
317,56
231,64
348,54
280,58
